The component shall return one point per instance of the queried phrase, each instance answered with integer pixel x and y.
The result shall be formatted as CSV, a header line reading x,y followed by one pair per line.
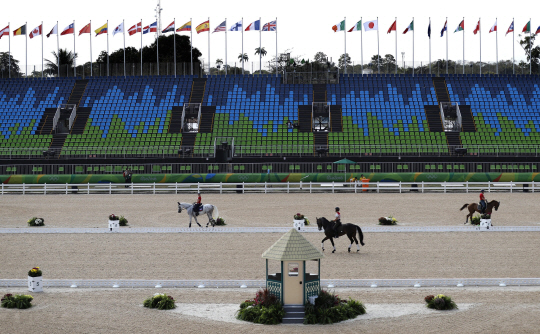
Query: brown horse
x,y
348,229
473,207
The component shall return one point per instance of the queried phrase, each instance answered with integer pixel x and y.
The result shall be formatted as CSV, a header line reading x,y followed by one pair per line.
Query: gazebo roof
x,y
292,246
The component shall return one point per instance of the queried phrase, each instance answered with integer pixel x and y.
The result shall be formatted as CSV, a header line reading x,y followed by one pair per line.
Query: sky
x,y
303,27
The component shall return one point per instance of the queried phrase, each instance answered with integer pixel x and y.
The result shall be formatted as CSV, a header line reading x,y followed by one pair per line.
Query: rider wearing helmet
x,y
197,205
483,201
337,222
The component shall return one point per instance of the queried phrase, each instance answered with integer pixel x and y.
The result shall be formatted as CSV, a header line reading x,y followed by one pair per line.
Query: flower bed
x,y
265,309
160,301
220,221
388,221
35,272
300,216
440,302
17,301
34,221
329,308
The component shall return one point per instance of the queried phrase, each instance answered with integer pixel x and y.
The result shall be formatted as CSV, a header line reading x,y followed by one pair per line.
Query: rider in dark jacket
x,y
337,223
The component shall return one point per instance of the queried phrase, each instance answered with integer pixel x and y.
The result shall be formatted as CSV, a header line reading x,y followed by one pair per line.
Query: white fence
x,y
266,187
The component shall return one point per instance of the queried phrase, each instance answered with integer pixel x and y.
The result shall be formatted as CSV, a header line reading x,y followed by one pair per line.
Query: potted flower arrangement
x,y
35,280
160,301
330,308
17,301
300,216
114,221
220,221
35,221
388,221
265,309
440,302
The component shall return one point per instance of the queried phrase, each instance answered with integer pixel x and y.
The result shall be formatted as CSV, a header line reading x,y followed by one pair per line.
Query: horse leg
x,y
189,220
195,217
332,241
322,243
357,245
351,239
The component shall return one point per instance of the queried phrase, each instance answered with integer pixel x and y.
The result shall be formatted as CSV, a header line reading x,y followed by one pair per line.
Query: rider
x,y
483,201
337,223
197,205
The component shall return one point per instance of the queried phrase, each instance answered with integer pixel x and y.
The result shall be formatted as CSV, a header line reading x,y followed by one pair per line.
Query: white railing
x,y
266,187
56,118
72,116
458,112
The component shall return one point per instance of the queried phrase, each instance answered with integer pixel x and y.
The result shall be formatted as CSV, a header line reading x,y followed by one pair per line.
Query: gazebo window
x,y
312,270
293,269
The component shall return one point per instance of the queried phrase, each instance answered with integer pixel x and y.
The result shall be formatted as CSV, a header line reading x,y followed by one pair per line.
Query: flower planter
x,y
114,225
35,284
299,224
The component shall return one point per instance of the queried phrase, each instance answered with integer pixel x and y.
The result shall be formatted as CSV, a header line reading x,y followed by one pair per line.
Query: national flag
x,y
429,29
409,28
371,25
357,26
20,31
537,31
461,26
236,27
270,26
70,29
169,28
511,28
393,27
256,26
4,32
54,31
338,27
135,29
118,29
185,27
150,28
494,28
477,29
221,27
527,27
205,26
102,30
444,28
85,30
36,31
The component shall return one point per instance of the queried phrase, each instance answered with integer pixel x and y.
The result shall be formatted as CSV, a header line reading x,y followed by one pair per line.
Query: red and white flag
x,y
392,27
4,32
36,31
511,28
54,31
494,28
70,29
135,29
477,29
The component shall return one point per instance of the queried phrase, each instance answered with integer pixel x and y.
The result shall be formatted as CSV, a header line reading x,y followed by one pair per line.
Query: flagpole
x,y
413,47
209,61
260,45
497,44
42,49
345,38
480,33
191,42
225,46
124,33
429,45
530,51
378,50
174,32
91,71
276,51
26,49
157,46
57,49
446,26
74,52
107,47
362,46
463,45
9,49
141,44
396,42
513,48
242,58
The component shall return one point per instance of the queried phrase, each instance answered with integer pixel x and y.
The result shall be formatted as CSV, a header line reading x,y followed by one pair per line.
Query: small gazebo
x,y
294,284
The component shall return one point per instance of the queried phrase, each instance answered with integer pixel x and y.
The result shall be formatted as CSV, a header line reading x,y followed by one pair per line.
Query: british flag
x,y
270,26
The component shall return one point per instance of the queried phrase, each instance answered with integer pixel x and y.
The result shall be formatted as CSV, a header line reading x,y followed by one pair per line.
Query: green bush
x,y
160,301
35,221
475,220
329,308
440,302
220,221
265,309
17,301
123,221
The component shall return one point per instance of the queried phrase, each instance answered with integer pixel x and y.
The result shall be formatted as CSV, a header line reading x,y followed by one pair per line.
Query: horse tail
x,y
360,234
464,206
215,212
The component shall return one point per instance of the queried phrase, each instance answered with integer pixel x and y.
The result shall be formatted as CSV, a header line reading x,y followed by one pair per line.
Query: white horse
x,y
210,210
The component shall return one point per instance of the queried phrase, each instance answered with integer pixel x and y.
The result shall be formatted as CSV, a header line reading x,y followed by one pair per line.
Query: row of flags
x,y
373,25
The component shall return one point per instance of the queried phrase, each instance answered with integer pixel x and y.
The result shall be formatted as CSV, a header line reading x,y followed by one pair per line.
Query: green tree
x,y
320,57
243,57
344,60
260,51
5,65
531,51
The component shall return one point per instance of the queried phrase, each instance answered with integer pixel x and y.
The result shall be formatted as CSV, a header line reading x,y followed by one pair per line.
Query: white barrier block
x,y
35,284
417,285
114,225
485,224
299,225
201,286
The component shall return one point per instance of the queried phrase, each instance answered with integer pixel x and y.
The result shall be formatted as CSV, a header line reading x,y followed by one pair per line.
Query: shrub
x,y
34,221
440,302
35,272
113,217
123,221
485,216
160,301
220,221
475,220
17,301
300,216
265,309
388,221
329,308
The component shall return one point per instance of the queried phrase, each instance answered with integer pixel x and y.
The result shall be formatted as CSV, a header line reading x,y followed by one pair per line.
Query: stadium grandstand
x,y
262,123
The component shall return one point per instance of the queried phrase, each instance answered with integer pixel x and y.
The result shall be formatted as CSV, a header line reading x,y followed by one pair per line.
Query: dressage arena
x,y
237,256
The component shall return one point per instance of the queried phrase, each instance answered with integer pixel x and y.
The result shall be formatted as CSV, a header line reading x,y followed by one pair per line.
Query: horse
x,y
210,210
473,207
349,229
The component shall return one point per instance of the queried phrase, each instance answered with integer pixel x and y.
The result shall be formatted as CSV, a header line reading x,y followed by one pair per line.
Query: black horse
x,y
349,229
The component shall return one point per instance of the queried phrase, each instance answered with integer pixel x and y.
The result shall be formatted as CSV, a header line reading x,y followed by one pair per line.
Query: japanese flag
x,y
371,25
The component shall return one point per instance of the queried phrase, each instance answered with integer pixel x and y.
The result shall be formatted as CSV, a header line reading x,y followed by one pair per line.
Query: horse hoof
x,y
358,251
333,251
349,250
363,244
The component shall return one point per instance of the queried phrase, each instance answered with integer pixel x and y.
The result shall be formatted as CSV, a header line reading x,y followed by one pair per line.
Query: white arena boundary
x,y
365,229
328,283
266,187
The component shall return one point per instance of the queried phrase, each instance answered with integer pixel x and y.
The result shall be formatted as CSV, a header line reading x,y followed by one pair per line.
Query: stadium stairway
x,y
80,121
336,121
176,119
46,123
453,138
58,141
77,92
467,120
319,93
197,90
207,119
305,121
433,116
188,140
440,89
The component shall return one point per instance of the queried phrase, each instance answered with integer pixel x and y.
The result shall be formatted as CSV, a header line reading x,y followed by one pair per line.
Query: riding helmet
x,y
337,209
482,190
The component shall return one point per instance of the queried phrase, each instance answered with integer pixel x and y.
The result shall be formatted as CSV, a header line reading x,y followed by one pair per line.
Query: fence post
x,y
400,187
333,187
265,187
422,187
287,187
243,187
377,187
221,187
45,189
3,188
23,189
444,186
132,187
87,188
154,191
110,188
467,187
531,187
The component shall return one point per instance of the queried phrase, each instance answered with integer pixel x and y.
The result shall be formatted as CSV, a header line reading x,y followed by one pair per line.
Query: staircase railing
x,y
56,118
188,107
72,116
459,119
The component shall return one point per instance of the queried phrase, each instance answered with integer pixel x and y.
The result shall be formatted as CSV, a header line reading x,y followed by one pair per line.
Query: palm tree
x,y
260,51
243,57
219,62
66,59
